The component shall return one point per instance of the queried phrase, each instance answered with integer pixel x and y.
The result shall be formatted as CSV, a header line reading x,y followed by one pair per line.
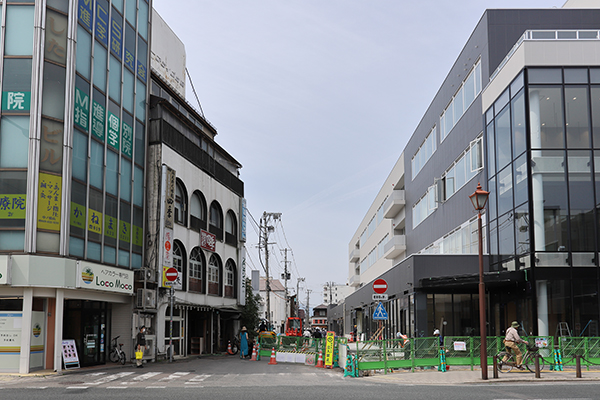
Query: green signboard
x,y
12,206
114,130
98,120
16,101
82,109
127,140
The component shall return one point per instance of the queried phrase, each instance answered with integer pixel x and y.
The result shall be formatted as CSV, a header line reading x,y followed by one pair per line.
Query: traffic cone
x,y
229,351
253,358
272,361
320,360
258,352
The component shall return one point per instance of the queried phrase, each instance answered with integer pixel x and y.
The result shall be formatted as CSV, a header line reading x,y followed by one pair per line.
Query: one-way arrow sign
x,y
380,313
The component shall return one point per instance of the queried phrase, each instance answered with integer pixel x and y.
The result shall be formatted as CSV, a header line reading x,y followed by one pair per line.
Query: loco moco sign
x,y
100,277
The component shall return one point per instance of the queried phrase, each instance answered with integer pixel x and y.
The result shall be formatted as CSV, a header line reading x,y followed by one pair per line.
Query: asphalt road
x,y
229,378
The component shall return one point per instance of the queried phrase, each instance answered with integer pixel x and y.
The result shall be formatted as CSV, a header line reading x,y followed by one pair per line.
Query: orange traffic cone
x,y
320,360
229,351
272,361
253,358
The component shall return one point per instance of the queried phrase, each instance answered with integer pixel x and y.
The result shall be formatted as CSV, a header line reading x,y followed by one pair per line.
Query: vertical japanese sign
x,y
138,236
12,206
85,13
110,227
243,221
16,101
77,216
127,139
51,146
49,197
329,347
56,37
141,70
101,12
242,296
124,231
116,36
95,221
114,125
82,109
166,227
98,120
169,197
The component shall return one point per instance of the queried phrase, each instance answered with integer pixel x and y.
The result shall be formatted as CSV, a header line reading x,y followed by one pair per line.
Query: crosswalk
x,y
163,380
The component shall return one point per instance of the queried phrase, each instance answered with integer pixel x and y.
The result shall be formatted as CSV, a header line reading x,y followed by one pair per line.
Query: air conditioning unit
x,y
146,298
150,275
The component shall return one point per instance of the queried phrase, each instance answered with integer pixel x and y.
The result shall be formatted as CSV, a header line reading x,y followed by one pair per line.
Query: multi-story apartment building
x,y
278,306
517,112
334,293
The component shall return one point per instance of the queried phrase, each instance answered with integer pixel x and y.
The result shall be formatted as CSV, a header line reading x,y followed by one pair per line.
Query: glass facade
x,y
93,96
541,138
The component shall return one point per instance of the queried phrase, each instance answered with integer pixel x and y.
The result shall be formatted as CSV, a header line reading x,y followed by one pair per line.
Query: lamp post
x,y
479,198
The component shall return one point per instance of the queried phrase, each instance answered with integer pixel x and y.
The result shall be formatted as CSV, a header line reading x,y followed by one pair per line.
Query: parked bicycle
x,y
116,353
528,360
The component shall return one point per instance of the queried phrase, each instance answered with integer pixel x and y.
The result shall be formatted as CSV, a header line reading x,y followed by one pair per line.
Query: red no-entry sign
x,y
171,274
379,286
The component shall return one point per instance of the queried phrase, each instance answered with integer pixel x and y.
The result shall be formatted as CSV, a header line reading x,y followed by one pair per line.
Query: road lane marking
x,y
141,378
197,379
173,376
109,378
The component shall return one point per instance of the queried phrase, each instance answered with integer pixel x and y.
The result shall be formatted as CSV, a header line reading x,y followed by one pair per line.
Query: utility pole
x,y
286,276
265,229
308,306
298,295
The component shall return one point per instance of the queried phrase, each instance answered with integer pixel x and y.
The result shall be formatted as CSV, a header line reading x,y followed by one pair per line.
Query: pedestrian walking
x,y
243,343
140,345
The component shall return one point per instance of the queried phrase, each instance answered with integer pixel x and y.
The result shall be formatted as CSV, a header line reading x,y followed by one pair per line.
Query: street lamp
x,y
479,198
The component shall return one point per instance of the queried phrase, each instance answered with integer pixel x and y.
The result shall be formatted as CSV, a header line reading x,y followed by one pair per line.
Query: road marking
x,y
141,378
116,387
173,376
77,387
109,378
156,387
197,379
95,374
37,387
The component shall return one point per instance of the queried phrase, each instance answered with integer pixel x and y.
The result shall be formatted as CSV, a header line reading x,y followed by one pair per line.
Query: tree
x,y
249,317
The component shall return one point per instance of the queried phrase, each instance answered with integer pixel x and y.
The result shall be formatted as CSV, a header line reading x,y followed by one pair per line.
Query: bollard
x,y
495,366
578,366
537,366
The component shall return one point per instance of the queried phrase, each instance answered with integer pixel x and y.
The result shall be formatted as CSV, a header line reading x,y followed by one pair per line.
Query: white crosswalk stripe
x,y
109,378
198,379
173,376
141,378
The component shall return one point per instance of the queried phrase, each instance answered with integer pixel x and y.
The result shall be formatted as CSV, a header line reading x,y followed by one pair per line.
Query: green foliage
x,y
249,317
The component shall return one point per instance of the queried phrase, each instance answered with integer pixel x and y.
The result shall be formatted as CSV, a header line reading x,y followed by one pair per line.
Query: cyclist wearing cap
x,y
511,340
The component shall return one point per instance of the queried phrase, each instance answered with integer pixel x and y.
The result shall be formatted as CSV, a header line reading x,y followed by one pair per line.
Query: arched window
x,y
178,263
214,275
230,278
197,271
216,220
231,228
198,211
180,203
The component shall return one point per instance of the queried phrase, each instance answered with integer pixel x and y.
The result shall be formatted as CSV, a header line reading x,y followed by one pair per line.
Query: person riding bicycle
x,y
511,340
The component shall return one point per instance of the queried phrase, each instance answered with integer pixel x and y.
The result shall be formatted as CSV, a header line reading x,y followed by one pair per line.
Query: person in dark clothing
x,y
140,344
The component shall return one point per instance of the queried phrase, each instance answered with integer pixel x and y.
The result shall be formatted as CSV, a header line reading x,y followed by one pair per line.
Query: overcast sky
x,y
317,99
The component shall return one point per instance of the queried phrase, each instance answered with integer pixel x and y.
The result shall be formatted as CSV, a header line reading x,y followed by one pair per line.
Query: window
x,y
197,270
178,260
214,267
466,166
425,206
180,203
231,228
216,220
461,101
424,153
198,211
230,279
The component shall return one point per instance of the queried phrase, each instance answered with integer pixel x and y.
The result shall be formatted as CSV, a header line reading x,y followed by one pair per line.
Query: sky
x,y
317,99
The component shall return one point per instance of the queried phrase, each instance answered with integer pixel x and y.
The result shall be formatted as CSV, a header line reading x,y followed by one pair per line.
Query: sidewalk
x,y
456,376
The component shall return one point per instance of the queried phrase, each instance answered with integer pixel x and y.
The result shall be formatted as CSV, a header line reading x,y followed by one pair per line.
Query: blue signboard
x,y
380,313
116,35
101,12
85,13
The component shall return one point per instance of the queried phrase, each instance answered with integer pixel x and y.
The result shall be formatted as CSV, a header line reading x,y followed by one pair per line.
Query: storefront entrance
x,y
85,322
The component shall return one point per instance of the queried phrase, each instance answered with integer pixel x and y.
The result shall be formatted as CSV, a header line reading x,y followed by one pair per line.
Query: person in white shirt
x,y
511,340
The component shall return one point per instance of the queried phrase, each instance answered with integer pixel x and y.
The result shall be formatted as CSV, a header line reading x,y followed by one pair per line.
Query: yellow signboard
x,y
329,346
95,221
49,197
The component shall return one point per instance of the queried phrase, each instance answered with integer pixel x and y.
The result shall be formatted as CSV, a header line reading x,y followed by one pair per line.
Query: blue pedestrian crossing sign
x,y
380,313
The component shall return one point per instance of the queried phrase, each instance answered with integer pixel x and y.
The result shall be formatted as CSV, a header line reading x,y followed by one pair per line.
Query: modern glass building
x,y
72,175
518,112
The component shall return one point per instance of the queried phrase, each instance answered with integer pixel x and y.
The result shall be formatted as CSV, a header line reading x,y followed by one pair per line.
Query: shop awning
x,y
228,312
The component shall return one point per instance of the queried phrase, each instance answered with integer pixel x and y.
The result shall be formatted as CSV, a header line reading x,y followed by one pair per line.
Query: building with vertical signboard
x,y
72,177
196,219
519,113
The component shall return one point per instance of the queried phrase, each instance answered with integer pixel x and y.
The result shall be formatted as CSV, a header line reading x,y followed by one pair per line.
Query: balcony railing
x,y
394,247
354,255
394,204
